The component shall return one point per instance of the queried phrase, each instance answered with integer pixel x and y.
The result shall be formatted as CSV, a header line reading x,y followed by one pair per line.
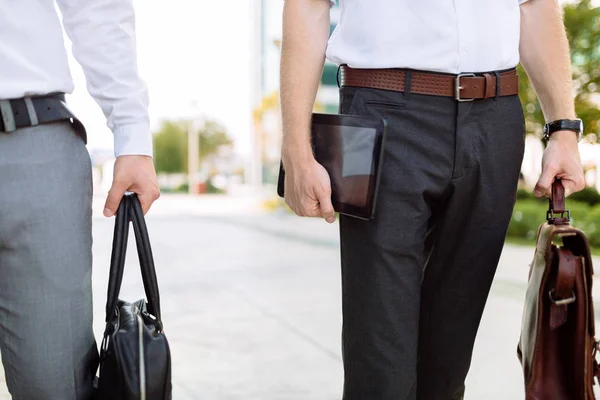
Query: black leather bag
x,y
135,360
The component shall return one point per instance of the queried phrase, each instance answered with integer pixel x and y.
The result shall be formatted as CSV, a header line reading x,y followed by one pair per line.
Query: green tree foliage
x,y
212,137
170,147
171,144
582,21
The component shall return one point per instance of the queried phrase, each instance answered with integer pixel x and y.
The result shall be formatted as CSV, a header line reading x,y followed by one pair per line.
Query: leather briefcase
x,y
135,360
557,347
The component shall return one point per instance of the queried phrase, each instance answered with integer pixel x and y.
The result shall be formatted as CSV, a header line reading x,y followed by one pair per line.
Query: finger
x,y
147,198
308,205
544,184
310,208
326,207
115,194
573,186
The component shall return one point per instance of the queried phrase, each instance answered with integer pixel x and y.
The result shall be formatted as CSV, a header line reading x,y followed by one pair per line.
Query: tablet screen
x,y
347,152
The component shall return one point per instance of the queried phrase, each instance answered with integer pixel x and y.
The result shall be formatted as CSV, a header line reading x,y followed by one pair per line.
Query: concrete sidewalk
x,y
251,303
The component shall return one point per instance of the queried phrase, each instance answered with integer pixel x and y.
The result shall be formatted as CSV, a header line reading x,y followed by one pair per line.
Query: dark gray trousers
x,y
416,278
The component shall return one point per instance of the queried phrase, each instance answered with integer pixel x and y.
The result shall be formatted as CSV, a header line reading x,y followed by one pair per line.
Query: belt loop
x,y
497,84
33,118
8,118
337,76
407,83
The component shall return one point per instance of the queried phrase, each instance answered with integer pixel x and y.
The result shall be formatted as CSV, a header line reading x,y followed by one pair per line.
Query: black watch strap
x,y
574,125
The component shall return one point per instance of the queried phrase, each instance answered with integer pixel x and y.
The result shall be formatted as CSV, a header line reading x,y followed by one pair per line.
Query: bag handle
x,y
557,205
131,209
145,256
557,200
117,259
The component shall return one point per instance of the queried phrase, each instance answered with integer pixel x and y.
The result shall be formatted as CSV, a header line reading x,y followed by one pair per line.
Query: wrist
x,y
564,137
296,155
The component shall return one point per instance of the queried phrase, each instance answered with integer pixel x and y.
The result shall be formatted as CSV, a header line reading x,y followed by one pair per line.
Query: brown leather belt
x,y
462,87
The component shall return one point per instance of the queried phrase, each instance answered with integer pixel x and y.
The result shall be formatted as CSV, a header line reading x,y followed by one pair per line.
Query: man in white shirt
x,y
46,338
416,278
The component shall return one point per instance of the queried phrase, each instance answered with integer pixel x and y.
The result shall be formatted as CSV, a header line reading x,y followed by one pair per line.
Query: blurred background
x,y
251,293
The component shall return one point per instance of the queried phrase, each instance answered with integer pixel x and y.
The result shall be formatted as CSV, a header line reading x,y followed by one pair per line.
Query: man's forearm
x,y
104,43
305,34
544,53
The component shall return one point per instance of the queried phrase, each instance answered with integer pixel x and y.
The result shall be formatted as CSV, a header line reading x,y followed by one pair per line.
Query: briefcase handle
x,y
557,205
142,241
131,209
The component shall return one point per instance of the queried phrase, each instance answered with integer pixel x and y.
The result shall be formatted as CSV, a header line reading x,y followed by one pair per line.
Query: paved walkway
x,y
251,304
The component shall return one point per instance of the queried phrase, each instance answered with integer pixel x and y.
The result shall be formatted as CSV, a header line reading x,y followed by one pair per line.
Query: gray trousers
x,y
415,279
46,338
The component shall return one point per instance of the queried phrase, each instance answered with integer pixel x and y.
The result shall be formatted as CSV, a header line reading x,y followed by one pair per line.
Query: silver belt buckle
x,y
8,118
458,87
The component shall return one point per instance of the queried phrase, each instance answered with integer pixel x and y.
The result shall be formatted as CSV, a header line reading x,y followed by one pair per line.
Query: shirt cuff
x,y
133,140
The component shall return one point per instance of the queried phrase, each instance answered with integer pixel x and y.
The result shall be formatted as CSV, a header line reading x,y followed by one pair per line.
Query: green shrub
x,y
527,217
529,214
183,188
212,189
524,194
592,228
589,195
579,214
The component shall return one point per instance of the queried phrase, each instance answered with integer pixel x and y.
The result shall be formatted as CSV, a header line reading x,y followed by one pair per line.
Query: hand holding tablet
x,y
350,148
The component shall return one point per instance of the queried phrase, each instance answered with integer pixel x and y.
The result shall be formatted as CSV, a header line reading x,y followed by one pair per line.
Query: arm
x,y
305,35
103,36
544,51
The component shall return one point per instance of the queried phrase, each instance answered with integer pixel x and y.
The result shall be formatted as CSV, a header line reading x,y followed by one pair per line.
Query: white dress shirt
x,y
450,36
33,60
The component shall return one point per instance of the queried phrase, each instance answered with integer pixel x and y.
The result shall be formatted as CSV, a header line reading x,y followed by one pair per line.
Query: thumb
x,y
325,205
544,183
115,194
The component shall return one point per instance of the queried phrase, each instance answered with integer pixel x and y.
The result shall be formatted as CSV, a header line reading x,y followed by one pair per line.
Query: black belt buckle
x,y
8,117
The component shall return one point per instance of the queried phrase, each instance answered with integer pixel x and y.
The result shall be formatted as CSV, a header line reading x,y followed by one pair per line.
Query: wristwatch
x,y
575,125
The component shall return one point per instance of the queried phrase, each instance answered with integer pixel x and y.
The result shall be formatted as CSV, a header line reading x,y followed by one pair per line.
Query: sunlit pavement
x,y
251,303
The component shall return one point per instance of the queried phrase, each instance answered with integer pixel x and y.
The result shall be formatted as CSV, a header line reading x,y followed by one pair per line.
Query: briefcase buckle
x,y
551,216
8,117
561,302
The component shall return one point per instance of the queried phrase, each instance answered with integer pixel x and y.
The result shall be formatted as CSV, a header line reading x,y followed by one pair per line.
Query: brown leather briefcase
x,y
557,347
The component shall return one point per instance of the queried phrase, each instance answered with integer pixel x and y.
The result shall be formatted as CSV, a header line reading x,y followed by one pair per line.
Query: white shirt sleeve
x,y
522,1
104,43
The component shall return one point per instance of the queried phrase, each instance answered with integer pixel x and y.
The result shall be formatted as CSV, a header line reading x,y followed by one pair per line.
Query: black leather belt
x,y
32,111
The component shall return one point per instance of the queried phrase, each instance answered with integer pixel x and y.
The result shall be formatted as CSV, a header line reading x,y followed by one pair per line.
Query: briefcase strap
x,y
563,293
557,212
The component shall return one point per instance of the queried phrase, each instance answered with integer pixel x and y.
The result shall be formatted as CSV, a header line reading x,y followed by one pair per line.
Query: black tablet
x,y
351,150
